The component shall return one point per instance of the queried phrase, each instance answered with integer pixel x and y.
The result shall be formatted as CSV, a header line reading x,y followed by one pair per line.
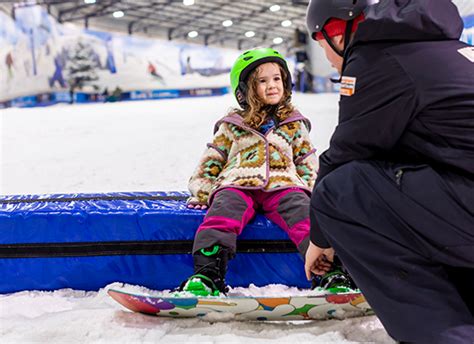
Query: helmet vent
x,y
248,58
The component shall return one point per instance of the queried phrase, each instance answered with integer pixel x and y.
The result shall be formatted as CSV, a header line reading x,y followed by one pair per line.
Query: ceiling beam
x,y
180,32
174,20
93,9
140,18
104,9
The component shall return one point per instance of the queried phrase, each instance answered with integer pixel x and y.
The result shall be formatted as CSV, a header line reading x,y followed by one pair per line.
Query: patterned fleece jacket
x,y
243,158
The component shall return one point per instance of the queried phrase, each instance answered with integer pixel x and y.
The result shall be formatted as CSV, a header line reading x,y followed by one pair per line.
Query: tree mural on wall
x,y
81,67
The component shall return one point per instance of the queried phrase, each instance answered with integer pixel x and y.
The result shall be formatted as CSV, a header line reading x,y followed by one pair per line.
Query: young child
x,y
261,157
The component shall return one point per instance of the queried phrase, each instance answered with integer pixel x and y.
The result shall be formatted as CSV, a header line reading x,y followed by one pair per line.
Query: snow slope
x,y
136,146
127,146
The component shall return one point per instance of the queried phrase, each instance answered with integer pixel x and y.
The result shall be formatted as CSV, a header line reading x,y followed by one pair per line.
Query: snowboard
x,y
317,307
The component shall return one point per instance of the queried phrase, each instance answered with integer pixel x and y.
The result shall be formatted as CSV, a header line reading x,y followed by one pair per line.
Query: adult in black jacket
x,y
395,191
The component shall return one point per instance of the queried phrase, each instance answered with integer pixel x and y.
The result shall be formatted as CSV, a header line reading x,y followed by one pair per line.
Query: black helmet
x,y
320,11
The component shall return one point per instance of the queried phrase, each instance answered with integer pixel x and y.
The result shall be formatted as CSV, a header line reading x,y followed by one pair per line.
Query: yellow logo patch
x,y
348,84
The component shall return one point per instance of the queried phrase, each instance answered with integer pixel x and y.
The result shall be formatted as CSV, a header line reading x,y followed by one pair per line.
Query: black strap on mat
x,y
90,249
97,198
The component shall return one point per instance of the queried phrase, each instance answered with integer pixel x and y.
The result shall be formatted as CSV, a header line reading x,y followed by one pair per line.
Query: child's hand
x,y
197,206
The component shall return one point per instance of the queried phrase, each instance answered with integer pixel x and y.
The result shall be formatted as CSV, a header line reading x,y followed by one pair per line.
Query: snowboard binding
x,y
200,285
337,280
210,266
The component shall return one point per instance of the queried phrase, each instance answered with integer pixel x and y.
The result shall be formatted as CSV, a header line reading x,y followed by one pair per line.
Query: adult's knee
x,y
337,188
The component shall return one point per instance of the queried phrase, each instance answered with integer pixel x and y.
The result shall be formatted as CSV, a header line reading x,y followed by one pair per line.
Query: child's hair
x,y
255,113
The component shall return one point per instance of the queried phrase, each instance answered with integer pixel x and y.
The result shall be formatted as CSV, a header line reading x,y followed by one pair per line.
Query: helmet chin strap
x,y
331,43
347,37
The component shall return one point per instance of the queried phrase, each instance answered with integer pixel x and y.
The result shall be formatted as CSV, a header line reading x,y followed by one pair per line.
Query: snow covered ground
x,y
126,146
135,146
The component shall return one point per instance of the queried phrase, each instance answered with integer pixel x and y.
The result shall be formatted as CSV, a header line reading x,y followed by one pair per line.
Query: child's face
x,y
269,83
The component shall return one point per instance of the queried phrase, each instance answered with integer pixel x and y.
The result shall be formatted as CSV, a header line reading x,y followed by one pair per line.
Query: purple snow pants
x,y
232,209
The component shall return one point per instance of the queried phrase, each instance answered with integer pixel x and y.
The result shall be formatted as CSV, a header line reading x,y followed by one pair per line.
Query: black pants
x,y
406,235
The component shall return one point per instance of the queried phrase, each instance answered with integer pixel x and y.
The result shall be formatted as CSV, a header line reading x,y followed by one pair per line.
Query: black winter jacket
x,y
414,92
413,98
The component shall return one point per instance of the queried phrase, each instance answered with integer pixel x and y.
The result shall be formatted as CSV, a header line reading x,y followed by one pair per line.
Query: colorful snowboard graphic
x,y
248,308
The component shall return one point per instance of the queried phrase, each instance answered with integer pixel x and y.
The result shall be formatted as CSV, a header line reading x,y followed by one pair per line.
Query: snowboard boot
x,y
337,280
210,266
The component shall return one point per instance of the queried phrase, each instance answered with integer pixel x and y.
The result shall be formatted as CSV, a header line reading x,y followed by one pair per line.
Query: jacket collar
x,y
237,120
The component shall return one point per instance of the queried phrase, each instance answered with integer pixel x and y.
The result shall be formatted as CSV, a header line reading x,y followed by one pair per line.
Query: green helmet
x,y
246,63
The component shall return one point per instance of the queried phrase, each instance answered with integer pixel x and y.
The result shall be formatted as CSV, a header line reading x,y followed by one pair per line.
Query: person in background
x,y
261,159
9,64
394,195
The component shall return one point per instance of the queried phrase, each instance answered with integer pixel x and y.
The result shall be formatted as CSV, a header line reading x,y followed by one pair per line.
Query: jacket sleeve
x,y
372,120
210,166
304,157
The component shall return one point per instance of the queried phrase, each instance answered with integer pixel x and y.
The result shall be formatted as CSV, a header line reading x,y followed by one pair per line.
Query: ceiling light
x,y
188,2
286,23
193,34
277,40
118,14
249,34
275,8
227,23
89,1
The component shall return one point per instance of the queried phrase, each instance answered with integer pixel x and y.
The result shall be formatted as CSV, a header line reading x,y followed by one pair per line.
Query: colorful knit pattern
x,y
301,150
223,143
249,181
238,132
280,181
253,156
289,132
278,159
240,156
211,169
305,172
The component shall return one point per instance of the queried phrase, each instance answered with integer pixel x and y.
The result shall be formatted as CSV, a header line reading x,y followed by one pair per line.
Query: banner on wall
x,y
39,56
